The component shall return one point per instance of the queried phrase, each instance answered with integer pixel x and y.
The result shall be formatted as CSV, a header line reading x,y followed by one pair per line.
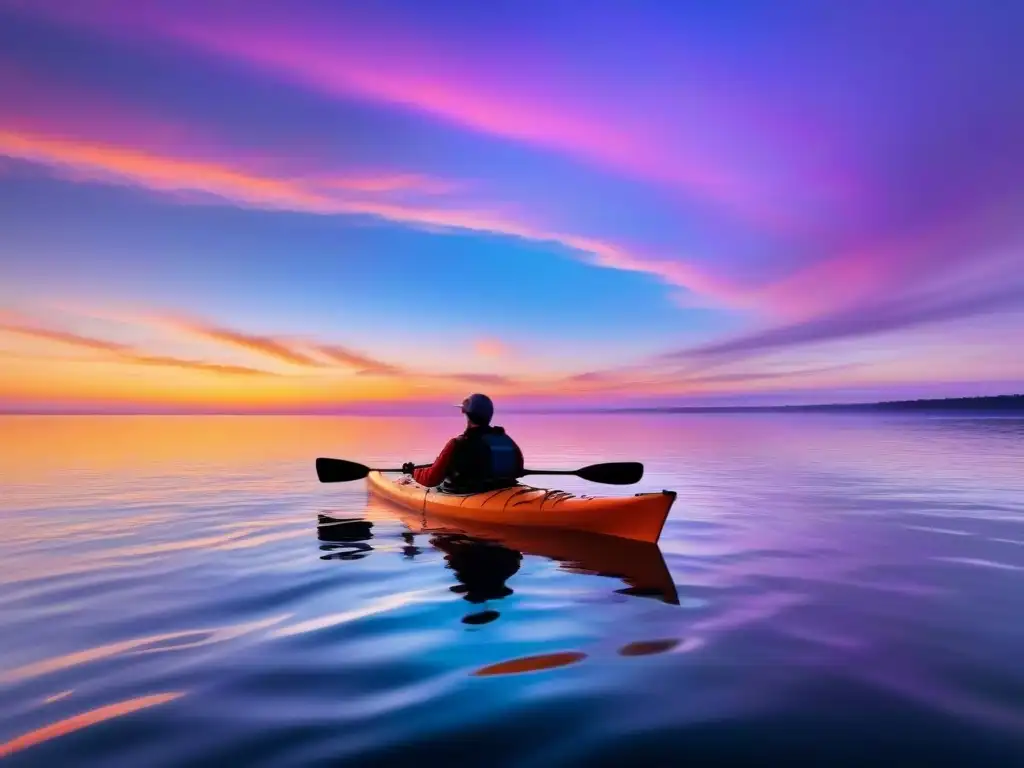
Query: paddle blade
x,y
339,470
613,473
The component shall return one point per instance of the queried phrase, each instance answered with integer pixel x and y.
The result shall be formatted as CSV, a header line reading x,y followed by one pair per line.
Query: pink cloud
x,y
34,105
559,112
522,99
968,245
62,337
384,183
274,348
530,95
362,363
880,316
555,111
168,173
122,352
700,144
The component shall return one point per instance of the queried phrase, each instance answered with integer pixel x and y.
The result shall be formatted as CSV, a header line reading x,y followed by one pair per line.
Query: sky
x,y
304,206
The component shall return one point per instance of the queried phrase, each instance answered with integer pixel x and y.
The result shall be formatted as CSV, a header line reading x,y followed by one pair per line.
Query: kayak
x,y
640,517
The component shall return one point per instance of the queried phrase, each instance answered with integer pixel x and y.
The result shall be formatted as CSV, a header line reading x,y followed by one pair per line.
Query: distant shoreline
x,y
994,403
985,404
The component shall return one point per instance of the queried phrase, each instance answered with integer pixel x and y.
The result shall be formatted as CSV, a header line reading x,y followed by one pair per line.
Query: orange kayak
x,y
640,517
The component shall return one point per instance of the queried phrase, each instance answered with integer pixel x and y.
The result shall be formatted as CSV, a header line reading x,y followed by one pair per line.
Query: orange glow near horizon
x,y
59,366
182,363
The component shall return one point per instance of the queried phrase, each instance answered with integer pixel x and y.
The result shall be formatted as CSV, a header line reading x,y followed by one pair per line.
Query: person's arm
x,y
434,474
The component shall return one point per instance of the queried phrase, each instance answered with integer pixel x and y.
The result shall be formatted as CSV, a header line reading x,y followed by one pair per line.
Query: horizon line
x,y
1016,399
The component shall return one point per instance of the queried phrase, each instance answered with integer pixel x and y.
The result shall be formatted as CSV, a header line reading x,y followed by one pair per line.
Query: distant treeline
x,y
996,403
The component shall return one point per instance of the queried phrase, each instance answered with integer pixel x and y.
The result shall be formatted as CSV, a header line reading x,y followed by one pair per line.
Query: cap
x,y
478,407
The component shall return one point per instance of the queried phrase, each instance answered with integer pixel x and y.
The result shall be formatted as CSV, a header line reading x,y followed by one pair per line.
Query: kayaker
x,y
482,458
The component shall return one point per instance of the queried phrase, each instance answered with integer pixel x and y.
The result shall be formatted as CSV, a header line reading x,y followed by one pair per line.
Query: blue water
x,y
834,589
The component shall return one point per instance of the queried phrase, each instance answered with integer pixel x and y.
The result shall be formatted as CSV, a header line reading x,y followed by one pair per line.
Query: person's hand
x,y
408,467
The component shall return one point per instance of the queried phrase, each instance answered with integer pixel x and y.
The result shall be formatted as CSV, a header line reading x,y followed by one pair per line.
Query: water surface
x,y
836,588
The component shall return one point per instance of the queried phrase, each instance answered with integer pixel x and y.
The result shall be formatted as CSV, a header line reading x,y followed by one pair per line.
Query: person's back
x,y
482,458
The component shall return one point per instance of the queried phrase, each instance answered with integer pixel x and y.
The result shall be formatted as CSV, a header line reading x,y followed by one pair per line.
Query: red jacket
x,y
434,474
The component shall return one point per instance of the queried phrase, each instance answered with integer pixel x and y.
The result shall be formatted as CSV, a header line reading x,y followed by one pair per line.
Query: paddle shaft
x,y
612,473
525,471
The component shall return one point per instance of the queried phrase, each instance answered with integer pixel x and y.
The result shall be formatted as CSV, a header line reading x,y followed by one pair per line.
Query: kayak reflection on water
x,y
482,568
346,537
483,559
410,550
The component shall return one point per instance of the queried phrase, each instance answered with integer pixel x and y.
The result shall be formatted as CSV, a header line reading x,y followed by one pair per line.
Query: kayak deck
x,y
640,517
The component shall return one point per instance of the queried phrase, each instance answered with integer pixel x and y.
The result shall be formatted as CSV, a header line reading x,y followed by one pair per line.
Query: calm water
x,y
835,588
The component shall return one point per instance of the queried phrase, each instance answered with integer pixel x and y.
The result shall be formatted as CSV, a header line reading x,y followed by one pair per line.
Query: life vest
x,y
484,458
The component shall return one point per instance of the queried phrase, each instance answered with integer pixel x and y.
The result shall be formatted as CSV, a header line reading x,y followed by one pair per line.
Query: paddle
x,y
610,473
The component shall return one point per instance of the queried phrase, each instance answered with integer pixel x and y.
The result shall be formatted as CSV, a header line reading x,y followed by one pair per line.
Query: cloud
x,y
749,376
292,351
166,173
883,265
387,71
264,345
868,319
194,365
517,92
747,139
368,366
486,379
385,183
109,162
295,350
362,363
595,377
63,337
666,376
124,353
271,346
